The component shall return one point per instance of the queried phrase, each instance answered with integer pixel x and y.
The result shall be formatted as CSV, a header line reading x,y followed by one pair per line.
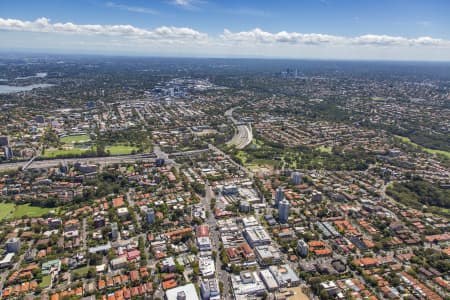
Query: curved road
x,y
243,136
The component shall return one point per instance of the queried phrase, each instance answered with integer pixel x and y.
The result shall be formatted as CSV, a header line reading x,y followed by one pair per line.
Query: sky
x,y
304,29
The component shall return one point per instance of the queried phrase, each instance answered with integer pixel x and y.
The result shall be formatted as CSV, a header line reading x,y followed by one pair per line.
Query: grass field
x,y
75,139
113,150
120,149
378,98
325,149
406,140
12,211
81,271
6,210
45,281
52,153
243,156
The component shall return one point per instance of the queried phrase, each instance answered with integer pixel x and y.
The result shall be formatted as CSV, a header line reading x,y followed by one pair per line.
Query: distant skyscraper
x,y
279,195
296,178
150,216
283,211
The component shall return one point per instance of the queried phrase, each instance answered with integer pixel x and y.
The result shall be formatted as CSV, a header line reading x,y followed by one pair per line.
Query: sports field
x,y
71,139
13,211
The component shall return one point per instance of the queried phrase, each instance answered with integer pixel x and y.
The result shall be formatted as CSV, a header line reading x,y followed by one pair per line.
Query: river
x,y
8,89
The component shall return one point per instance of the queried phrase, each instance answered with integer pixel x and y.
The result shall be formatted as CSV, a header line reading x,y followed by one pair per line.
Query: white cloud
x,y
379,40
44,34
44,25
259,36
187,4
135,9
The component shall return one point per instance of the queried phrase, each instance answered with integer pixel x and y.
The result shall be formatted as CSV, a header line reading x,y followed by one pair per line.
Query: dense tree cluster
x,y
417,192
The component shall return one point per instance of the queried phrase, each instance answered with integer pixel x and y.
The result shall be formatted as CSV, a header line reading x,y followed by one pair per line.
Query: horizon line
x,y
136,55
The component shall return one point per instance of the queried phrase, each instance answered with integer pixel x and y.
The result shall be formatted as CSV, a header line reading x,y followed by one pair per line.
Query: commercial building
x,y
206,266
269,280
209,289
204,243
267,255
284,275
247,283
185,292
202,231
257,236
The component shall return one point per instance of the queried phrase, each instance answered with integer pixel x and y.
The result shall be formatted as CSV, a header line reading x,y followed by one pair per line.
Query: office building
x,y
283,211
279,195
13,245
296,178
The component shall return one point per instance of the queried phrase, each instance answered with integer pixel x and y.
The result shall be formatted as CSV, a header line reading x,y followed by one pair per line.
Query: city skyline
x,y
374,30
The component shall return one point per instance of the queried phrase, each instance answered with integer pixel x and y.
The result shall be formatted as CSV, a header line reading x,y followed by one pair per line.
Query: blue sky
x,y
343,29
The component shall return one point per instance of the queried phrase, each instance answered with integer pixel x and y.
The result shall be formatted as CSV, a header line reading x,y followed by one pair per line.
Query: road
x,y
243,135
104,160
222,275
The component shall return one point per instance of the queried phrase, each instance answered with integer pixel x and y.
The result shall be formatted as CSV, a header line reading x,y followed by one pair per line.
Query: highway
x,y
243,135
86,160
104,160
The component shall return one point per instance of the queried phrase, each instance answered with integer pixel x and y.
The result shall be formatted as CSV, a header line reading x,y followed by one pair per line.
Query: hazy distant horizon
x,y
28,52
411,30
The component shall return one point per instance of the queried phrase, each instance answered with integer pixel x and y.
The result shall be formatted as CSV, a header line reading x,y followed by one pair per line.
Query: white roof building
x,y
185,292
247,283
